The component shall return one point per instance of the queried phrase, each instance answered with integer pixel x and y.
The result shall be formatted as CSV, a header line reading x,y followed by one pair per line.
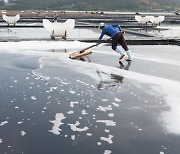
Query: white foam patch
x,y
84,112
105,100
108,139
117,100
65,83
20,122
1,140
72,92
3,123
53,88
73,103
89,134
107,122
23,133
107,108
107,152
115,104
111,115
73,137
65,135
57,123
70,112
106,130
98,143
15,81
33,98
76,129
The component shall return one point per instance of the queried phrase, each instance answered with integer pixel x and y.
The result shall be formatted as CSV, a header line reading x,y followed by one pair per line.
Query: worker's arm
x,y
100,37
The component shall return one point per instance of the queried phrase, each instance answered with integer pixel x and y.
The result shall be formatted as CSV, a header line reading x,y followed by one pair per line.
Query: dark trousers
x,y
119,38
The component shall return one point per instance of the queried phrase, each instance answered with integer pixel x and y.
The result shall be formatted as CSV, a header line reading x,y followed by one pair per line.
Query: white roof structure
x,y
58,29
11,19
142,20
157,20
154,20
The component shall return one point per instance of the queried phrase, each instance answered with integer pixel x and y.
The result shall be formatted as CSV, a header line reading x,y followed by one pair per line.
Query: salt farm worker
x,y
116,33
55,17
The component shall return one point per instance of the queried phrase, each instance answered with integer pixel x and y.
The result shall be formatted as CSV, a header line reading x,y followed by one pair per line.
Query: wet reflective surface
x,y
52,104
165,31
42,33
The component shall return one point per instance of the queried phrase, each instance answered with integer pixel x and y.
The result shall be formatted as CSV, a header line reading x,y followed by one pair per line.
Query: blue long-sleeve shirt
x,y
110,30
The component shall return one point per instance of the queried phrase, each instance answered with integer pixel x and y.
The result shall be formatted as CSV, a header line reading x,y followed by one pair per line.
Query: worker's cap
x,y
102,24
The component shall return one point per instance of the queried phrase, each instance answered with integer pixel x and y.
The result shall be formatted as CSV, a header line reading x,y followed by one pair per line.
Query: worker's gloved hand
x,y
123,32
98,42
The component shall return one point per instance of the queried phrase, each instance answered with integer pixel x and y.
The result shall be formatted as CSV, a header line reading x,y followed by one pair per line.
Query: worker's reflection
x,y
115,80
125,67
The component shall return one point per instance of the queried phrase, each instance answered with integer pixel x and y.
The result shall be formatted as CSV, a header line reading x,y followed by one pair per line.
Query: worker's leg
x,y
123,43
128,52
114,46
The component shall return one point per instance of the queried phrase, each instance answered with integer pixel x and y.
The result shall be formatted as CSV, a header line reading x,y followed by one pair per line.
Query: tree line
x,y
97,5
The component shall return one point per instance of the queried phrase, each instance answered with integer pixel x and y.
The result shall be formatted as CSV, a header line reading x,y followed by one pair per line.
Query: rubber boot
x,y
128,52
120,52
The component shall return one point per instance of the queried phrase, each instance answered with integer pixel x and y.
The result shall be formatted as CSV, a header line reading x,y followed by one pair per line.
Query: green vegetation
x,y
96,5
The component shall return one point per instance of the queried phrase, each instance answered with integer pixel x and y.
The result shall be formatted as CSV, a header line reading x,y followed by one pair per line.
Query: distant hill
x,y
98,5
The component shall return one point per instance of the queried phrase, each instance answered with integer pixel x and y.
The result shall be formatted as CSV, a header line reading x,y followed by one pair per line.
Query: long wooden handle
x,y
81,51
